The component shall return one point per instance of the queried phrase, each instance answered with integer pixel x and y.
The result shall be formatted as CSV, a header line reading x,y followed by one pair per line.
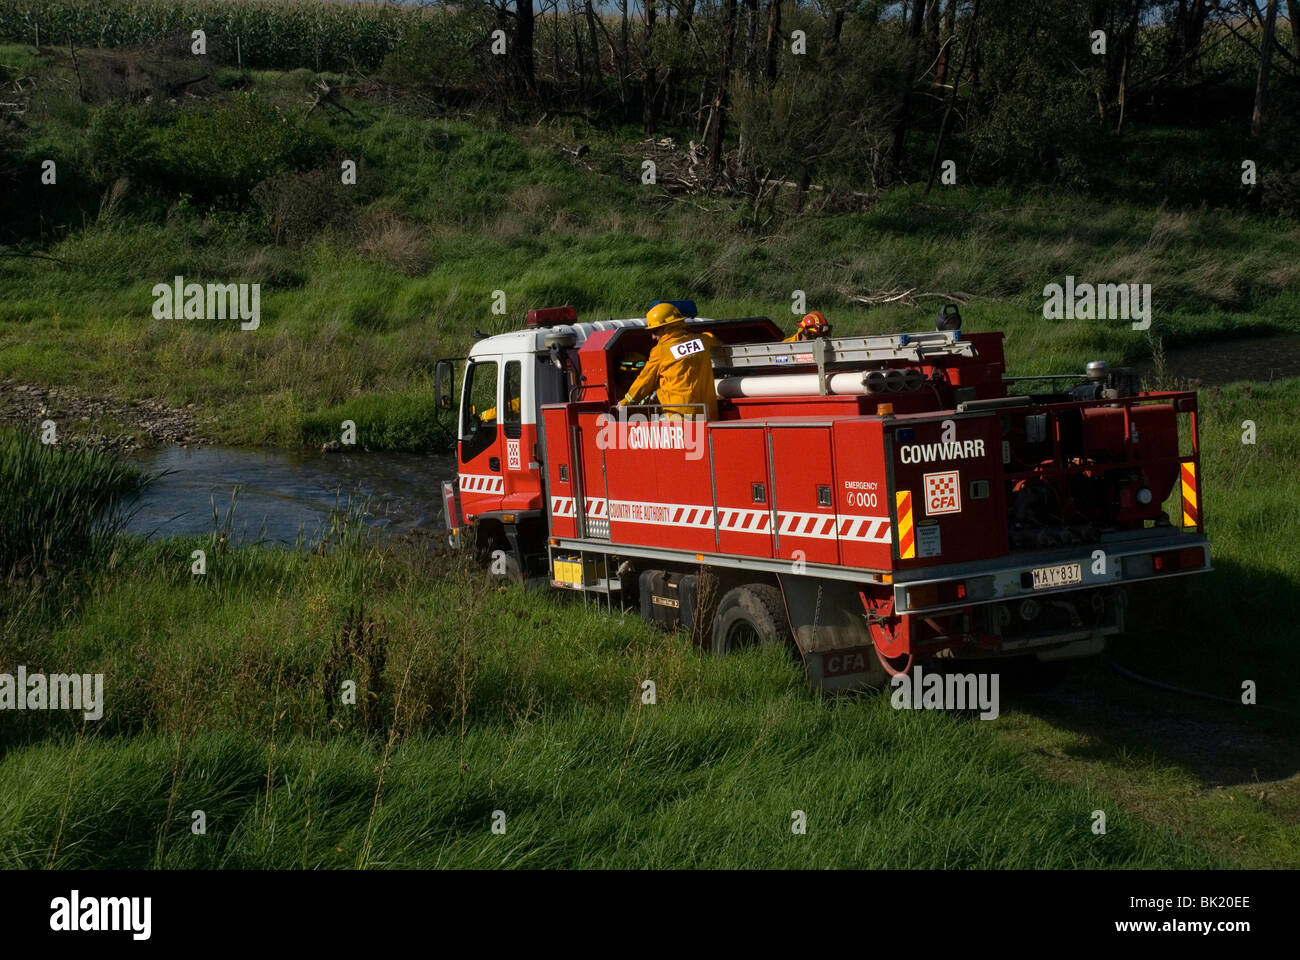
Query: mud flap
x,y
830,628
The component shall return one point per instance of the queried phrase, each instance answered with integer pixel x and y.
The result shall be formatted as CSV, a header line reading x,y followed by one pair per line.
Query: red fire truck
x,y
874,500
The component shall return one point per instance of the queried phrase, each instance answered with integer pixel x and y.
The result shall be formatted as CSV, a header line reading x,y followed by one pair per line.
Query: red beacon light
x,y
551,316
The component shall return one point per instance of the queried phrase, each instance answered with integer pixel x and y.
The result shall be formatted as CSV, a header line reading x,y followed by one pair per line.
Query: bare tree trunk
x,y
1123,93
595,48
1265,66
556,29
750,72
672,80
837,27
524,44
648,84
946,40
1197,16
751,43
932,31
1293,15
898,148
770,60
622,40
719,113
1178,31
577,51
968,48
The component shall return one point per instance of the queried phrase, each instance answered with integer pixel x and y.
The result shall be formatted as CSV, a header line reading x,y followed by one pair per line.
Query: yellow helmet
x,y
662,314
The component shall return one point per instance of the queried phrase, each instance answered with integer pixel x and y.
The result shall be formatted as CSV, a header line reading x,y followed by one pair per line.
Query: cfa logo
x,y
681,350
942,492
848,661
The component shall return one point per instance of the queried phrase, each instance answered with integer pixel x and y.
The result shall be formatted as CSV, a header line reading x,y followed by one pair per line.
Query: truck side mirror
x,y
444,384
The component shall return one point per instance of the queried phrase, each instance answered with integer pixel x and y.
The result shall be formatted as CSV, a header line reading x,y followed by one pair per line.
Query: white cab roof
x,y
533,339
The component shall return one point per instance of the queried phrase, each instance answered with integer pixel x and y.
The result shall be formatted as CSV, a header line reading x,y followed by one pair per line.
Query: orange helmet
x,y
814,325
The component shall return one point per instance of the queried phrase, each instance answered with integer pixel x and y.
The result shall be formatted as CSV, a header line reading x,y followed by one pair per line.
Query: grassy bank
x,y
223,695
364,287
491,701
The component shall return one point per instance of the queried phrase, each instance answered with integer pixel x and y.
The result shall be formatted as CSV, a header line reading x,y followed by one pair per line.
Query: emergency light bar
x,y
551,316
685,307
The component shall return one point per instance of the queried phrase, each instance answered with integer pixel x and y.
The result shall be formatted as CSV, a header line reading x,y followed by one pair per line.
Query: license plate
x,y
1061,575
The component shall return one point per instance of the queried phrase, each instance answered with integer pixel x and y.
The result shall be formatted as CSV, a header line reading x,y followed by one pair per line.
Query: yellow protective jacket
x,y
680,370
491,412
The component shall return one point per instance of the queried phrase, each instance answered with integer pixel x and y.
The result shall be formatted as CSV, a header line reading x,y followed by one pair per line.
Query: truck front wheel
x,y
752,615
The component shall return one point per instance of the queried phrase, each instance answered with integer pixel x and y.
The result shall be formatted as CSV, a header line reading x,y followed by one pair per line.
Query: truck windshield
x,y
478,415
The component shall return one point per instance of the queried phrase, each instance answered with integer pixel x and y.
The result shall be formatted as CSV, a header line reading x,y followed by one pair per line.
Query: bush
x,y
297,206
225,151
122,144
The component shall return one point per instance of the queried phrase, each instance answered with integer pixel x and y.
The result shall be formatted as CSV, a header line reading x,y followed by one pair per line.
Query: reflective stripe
x,y
1191,508
482,483
813,526
906,535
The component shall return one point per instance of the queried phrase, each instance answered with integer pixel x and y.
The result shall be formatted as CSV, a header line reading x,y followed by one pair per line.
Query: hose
x,y
1161,685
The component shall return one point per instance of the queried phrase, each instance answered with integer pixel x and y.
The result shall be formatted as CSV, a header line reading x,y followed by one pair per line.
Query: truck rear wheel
x,y
752,615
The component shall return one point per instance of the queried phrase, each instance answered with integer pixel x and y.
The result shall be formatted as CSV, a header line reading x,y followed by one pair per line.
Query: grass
x,y
223,690
52,514
447,211
212,708
223,695
668,786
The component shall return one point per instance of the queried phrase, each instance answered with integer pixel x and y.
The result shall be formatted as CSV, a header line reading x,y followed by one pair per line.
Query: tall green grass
x,y
678,785
216,700
223,695
59,504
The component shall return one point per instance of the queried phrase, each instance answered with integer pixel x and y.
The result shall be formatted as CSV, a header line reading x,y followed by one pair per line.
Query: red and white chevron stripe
x,y
817,526
482,483
868,529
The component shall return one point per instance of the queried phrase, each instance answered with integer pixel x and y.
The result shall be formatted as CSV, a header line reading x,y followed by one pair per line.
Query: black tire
x,y
752,615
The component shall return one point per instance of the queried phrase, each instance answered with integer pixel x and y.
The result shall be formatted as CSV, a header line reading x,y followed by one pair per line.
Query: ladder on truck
x,y
845,351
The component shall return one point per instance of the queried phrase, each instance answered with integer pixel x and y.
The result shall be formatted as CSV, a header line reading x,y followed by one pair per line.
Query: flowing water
x,y
282,494
1226,361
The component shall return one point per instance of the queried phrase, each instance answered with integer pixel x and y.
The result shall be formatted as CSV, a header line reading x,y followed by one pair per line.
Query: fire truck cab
x,y
871,500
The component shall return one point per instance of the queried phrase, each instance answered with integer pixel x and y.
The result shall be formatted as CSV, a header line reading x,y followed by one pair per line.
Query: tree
x,y
1265,66
648,83
914,27
718,117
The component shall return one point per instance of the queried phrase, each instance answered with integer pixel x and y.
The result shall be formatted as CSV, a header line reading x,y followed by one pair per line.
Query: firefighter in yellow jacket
x,y
811,327
679,368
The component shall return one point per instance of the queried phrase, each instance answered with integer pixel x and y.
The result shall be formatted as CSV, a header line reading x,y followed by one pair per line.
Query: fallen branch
x,y
906,297
328,97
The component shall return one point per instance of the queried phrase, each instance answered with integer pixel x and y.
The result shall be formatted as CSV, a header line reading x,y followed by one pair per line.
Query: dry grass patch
x,y
397,242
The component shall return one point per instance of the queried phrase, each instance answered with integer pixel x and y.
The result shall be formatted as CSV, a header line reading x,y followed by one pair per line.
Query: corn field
x,y
270,34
